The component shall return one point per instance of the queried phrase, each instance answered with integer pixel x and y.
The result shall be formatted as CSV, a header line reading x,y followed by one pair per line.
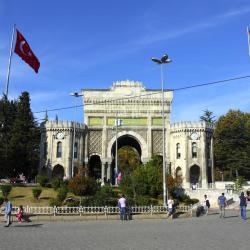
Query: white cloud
x,y
213,21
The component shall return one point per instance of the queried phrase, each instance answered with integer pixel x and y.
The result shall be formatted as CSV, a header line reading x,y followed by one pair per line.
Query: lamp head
x,y
75,94
156,60
164,58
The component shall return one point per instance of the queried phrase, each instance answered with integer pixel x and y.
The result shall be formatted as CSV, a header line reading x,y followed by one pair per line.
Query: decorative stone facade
x,y
56,147
140,110
191,152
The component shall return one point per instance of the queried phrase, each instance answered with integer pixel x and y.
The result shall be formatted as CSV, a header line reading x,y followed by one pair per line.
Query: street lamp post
x,y
161,61
118,123
74,137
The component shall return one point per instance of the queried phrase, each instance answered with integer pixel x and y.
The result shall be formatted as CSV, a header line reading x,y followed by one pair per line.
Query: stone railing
x,y
54,211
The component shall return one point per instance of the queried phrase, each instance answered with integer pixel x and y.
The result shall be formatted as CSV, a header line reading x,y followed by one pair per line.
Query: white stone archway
x,y
134,135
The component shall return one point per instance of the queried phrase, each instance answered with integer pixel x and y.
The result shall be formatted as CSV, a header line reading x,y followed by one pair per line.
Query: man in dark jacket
x,y
243,205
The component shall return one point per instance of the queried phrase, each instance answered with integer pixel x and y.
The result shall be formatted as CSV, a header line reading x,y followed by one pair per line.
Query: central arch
x,y
128,136
124,141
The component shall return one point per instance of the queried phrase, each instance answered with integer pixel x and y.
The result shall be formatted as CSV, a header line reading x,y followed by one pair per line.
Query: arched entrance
x,y
95,167
129,155
58,171
195,174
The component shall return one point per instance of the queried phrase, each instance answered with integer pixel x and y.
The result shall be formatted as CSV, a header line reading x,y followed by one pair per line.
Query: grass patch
x,y
24,196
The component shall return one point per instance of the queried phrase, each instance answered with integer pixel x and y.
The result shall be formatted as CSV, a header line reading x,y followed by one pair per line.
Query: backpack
x,y
208,203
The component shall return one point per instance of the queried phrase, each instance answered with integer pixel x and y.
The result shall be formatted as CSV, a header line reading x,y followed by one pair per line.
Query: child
x,y
19,214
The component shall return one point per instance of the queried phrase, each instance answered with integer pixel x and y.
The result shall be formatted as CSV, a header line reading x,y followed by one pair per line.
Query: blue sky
x,y
90,44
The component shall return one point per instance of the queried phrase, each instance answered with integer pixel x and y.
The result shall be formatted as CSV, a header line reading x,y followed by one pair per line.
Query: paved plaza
x,y
204,233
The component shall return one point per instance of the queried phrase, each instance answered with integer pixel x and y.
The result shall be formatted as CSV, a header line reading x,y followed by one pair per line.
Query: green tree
x,y
7,117
6,189
154,175
232,143
128,159
208,117
24,141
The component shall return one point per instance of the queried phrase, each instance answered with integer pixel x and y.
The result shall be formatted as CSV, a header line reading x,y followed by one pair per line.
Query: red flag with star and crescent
x,y
23,49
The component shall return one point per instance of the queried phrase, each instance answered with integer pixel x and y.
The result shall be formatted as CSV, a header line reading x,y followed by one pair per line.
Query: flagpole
x,y
248,37
11,52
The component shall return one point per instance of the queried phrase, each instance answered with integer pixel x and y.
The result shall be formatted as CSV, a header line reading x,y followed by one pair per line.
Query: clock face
x,y
194,136
60,136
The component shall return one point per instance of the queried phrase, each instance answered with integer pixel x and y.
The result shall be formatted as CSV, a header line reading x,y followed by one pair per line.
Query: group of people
x,y
243,200
124,211
8,211
222,202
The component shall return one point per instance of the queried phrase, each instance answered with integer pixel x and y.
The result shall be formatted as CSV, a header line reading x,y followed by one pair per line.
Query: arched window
x,y
194,150
59,150
178,151
75,150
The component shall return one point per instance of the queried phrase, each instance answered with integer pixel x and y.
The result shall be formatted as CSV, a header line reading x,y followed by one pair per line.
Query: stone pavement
x,y
203,233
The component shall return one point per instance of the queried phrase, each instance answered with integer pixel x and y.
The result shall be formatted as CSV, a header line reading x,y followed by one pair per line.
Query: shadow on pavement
x,y
28,225
231,216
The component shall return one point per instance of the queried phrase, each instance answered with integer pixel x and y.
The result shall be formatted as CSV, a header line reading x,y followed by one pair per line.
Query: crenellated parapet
x,y
191,127
62,126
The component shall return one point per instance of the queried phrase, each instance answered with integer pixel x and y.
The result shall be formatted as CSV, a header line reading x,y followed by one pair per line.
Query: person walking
x,y
243,206
170,207
19,214
122,206
206,204
7,211
222,202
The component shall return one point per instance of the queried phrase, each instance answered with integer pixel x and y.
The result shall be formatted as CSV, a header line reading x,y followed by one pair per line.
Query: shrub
x,y
105,196
62,193
239,182
56,183
144,201
83,185
74,203
6,189
42,180
1,200
55,203
36,192
190,201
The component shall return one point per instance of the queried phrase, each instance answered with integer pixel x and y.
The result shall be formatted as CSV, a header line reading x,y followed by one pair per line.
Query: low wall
x,y
223,184
212,195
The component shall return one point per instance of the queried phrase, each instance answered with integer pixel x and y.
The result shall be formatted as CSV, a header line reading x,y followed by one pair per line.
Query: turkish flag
x,y
23,49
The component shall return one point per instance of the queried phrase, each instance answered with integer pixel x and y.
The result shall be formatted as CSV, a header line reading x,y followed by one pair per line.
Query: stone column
x,y
187,153
212,158
149,136
108,171
103,170
203,162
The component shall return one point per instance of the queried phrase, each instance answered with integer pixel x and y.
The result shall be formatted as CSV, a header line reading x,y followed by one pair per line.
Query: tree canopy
x,y
207,116
232,143
19,138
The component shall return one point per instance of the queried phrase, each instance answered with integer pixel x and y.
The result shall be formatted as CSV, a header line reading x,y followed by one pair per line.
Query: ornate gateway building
x,y
67,145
